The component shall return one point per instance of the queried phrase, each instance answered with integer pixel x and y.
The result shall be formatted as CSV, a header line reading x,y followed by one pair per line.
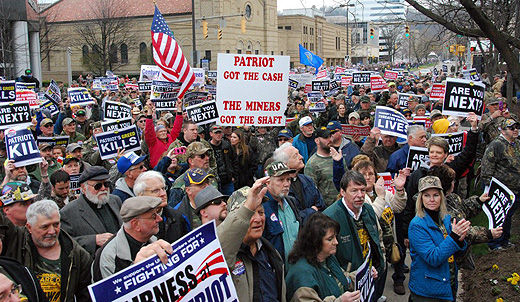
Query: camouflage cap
x,y
492,101
67,121
196,148
429,182
365,99
237,199
508,123
46,121
278,168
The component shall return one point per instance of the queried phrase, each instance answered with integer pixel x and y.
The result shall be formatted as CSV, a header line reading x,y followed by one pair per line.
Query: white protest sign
x,y
364,281
200,77
79,96
252,89
150,72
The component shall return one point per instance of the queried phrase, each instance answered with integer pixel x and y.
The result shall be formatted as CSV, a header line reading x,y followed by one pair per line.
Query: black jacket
x,y
173,226
22,275
227,162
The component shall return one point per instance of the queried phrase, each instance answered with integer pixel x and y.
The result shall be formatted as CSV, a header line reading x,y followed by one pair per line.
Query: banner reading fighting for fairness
x,y
164,95
391,75
54,92
21,147
196,271
109,142
437,92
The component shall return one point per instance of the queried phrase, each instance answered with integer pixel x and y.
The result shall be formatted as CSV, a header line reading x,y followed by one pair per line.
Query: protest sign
x,y
203,113
252,89
200,77
354,130
149,73
116,124
391,75
289,120
49,104
194,97
74,184
117,111
471,74
377,84
196,271
320,85
317,107
131,86
144,86
79,96
338,76
364,281
424,120
455,141
462,97
54,140
339,70
212,74
164,94
424,71
391,122
322,74
211,89
109,142
7,91
28,96
389,182
502,199
308,88
302,78
25,86
54,92
293,83
15,114
21,147
362,77
417,157
444,68
314,97
402,99
346,81
437,92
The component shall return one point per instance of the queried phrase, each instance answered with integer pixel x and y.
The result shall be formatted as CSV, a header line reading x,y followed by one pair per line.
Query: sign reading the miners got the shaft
x,y
109,142
14,114
252,89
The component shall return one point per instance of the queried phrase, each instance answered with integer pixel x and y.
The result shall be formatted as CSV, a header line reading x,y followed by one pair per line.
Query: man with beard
x,y
211,205
283,223
60,193
93,218
319,166
14,174
59,263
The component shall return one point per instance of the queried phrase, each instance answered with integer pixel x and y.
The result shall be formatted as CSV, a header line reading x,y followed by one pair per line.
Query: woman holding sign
x,y
434,240
314,272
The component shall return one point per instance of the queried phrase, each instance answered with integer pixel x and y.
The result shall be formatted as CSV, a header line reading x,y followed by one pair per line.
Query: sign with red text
x,y
346,81
252,89
377,84
437,92
387,177
391,75
322,74
28,96
354,130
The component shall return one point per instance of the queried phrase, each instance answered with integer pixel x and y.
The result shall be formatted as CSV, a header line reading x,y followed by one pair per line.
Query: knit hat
x,y
440,126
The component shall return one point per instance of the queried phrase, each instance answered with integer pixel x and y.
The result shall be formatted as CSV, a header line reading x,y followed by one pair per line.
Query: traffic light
x,y
461,49
219,33
472,48
452,48
204,29
243,25
407,31
371,33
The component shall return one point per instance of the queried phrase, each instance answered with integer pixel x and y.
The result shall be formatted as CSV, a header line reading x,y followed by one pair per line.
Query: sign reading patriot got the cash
x,y
79,96
15,114
196,271
462,97
109,142
502,199
21,147
117,111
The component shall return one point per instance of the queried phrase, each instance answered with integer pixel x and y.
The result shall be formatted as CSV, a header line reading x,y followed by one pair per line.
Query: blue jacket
x,y
429,250
273,228
311,195
300,144
397,160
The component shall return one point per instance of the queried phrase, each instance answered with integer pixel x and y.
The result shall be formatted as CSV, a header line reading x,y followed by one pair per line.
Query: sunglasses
x,y
215,202
140,167
202,156
514,127
98,186
47,126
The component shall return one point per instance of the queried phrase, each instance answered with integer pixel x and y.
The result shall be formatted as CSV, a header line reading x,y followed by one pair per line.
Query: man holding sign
x,y
502,161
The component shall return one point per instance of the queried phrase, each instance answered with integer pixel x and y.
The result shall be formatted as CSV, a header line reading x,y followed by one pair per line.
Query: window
x,y
239,51
312,47
208,55
256,51
228,51
272,53
280,27
248,11
305,30
288,28
358,38
281,53
312,31
84,52
142,53
112,54
124,53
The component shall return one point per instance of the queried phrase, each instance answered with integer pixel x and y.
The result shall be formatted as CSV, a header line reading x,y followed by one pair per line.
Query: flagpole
x,y
194,55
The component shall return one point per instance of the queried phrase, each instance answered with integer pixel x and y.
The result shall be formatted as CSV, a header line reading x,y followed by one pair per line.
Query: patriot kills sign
x,y
391,75
21,147
252,89
54,92
417,157
79,96
362,77
109,142
15,114
54,140
203,113
116,124
293,84
49,104
462,97
364,281
502,199
7,91
391,122
196,271
117,111
455,141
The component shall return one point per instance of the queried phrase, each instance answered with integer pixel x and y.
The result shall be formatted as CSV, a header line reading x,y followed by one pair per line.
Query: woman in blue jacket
x,y
434,239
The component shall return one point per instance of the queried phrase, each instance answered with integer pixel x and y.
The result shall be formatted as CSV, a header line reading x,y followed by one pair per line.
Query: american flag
x,y
168,55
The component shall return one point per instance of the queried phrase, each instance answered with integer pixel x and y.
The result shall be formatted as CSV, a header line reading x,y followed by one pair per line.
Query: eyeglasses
x,y
514,127
158,213
98,186
202,156
15,291
156,191
47,125
140,167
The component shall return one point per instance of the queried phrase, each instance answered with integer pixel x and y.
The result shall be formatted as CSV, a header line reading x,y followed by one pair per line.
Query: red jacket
x,y
156,146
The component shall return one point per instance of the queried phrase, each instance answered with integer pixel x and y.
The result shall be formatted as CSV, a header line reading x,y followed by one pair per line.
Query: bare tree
x,y
392,35
107,33
49,40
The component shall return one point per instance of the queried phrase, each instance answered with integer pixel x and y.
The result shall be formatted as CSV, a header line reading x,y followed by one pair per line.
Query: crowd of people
x,y
298,209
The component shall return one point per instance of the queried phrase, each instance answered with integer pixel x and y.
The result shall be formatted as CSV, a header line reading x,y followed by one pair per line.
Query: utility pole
x,y
69,68
347,6
193,38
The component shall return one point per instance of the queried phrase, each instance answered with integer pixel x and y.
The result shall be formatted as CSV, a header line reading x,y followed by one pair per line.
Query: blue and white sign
x,y
109,142
54,92
200,77
21,147
364,281
116,124
391,122
48,103
7,91
502,200
196,271
79,96
117,111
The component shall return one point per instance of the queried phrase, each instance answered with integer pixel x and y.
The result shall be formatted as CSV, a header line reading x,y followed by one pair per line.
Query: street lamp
x,y
347,6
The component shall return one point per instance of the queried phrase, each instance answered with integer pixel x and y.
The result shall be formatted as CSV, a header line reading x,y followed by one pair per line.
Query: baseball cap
x,y
353,115
492,101
285,133
334,126
508,123
72,147
13,192
67,121
195,176
43,146
196,148
435,113
70,158
216,128
28,71
93,173
304,121
128,160
429,182
46,121
135,206
278,168
323,132
81,112
207,195
391,84
365,99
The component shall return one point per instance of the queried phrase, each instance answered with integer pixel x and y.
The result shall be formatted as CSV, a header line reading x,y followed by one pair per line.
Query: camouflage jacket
x,y
467,209
263,145
490,126
502,161
319,168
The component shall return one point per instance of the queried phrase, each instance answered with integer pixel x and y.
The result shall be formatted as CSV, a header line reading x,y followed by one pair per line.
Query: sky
x,y
287,4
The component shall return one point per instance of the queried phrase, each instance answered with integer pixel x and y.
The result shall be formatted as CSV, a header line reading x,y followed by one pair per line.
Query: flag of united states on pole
x,y
168,55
